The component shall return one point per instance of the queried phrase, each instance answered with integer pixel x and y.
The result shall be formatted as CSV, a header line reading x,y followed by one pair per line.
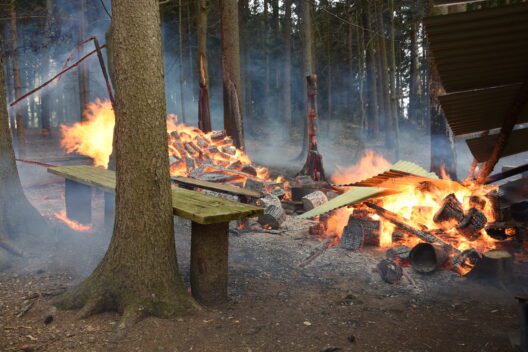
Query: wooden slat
x,y
198,207
187,181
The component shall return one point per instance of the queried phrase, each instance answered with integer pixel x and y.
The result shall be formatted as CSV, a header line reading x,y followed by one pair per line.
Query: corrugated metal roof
x,y
479,110
480,49
481,147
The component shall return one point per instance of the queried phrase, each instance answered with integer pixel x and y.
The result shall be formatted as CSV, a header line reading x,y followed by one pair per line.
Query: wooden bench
x,y
245,195
210,218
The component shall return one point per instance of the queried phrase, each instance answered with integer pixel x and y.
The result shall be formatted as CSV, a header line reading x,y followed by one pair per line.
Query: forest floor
x,y
336,303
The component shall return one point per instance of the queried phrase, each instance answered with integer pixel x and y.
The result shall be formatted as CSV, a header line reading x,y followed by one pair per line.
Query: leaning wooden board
x,y
218,187
198,207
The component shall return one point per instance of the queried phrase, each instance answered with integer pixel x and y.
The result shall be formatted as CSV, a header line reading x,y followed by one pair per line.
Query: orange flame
x,y
74,225
370,165
189,147
93,136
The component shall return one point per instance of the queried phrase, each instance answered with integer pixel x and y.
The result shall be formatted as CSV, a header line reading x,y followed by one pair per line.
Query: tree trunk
x,y
20,223
393,93
182,78
308,53
232,86
84,80
204,114
414,81
46,95
287,64
373,119
139,274
267,76
19,117
384,80
360,38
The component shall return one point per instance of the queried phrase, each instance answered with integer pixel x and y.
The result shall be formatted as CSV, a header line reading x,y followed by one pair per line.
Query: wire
x,y
106,9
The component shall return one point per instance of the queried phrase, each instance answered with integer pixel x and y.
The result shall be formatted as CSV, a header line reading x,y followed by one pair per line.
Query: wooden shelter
x,y
481,60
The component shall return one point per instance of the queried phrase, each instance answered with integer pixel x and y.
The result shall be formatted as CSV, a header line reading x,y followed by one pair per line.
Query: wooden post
x,y
78,199
209,267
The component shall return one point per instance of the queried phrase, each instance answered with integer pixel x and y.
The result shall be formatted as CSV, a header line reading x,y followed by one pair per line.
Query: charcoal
x,y
390,271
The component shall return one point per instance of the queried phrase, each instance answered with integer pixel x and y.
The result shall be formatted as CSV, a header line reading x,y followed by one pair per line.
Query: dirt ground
x,y
336,303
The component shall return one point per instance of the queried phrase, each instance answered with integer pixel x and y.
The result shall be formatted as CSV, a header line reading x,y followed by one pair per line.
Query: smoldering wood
x,y
428,257
209,262
389,271
360,232
254,185
398,252
314,200
274,216
471,225
450,210
401,223
78,198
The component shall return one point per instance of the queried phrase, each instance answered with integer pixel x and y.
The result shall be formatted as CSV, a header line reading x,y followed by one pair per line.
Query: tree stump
x,y
360,232
313,200
209,267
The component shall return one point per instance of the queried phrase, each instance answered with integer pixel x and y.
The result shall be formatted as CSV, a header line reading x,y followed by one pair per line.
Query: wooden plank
x,y
187,181
201,208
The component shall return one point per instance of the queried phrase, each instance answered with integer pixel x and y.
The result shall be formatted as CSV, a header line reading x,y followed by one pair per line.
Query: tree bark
x,y
287,63
373,119
204,114
46,95
232,86
20,223
84,80
139,274
19,117
181,70
393,93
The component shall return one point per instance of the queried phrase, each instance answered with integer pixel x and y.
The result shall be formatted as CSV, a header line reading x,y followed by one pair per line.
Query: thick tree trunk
x,y
414,81
204,114
393,93
233,121
139,274
84,80
360,38
373,119
19,116
20,223
267,76
384,80
287,63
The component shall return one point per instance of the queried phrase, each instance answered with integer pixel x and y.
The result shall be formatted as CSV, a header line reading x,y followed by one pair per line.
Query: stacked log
x,y
450,211
313,200
471,225
360,232
273,217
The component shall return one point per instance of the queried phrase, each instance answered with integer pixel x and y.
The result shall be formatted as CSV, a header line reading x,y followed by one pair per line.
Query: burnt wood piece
x,y
507,173
273,217
313,200
78,199
209,262
218,135
395,219
471,224
254,185
450,211
249,169
495,266
398,252
389,271
360,232
495,205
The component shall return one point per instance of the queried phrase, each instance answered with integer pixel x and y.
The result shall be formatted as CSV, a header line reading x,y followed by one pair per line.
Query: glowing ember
x,y
192,152
93,136
72,224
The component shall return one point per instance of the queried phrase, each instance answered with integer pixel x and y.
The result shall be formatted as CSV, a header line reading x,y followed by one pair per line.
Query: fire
x,y
370,165
93,136
72,224
416,204
192,152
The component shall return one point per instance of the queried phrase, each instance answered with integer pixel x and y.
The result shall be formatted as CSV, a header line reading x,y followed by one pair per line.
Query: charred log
x,y
360,232
273,217
471,225
450,211
389,271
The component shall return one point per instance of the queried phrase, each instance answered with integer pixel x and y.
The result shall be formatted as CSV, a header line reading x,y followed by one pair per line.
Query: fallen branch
x,y
317,252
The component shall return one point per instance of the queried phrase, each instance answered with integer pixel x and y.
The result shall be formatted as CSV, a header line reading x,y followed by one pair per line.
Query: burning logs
x,y
471,225
426,257
450,211
360,232
313,200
